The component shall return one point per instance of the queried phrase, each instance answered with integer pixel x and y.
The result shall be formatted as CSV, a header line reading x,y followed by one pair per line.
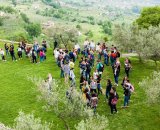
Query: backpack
x,y
101,67
118,54
114,101
66,58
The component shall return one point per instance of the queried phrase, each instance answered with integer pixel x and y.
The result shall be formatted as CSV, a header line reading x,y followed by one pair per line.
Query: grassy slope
x,y
19,93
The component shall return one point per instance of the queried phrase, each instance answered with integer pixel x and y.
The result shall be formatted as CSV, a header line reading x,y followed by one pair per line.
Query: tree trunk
x,y
156,64
140,58
65,122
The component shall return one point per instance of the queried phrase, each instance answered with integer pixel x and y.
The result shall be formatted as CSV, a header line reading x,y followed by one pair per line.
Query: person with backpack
x,y
113,99
72,56
113,59
12,52
100,67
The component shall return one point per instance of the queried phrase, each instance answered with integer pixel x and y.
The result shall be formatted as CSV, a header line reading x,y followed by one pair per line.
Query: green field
x,y
17,93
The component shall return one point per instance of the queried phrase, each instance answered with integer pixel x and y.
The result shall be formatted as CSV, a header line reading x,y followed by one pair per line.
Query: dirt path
x,y
129,54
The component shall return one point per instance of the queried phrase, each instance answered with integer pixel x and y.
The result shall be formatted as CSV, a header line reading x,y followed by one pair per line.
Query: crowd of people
x,y
95,58
33,52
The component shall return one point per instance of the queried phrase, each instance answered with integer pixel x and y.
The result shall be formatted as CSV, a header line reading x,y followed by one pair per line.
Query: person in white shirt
x,y
56,54
86,42
77,48
2,54
20,52
92,45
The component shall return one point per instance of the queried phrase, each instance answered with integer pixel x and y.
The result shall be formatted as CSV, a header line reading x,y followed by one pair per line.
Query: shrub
x,y
27,122
78,26
89,33
7,9
33,29
1,21
93,123
151,87
25,18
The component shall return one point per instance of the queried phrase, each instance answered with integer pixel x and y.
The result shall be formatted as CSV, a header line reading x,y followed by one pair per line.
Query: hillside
x,y
87,16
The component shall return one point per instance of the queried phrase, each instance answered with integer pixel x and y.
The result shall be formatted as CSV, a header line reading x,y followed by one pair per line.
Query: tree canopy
x,y
150,16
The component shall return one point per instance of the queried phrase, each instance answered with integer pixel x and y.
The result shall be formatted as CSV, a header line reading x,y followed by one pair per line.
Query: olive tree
x,y
144,41
93,123
63,35
151,87
27,122
63,101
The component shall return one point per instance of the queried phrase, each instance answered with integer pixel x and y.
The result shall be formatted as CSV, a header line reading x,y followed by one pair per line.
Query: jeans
x,y
7,52
113,107
13,57
99,88
127,72
73,83
106,61
126,100
41,58
34,59
62,73
87,74
116,78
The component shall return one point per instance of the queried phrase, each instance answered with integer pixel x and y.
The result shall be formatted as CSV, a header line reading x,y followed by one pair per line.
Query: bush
x,y
57,15
19,36
78,26
34,30
27,122
151,87
89,33
1,21
7,9
25,18
93,123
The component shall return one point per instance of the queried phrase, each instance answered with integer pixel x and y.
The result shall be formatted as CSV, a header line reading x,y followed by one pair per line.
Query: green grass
x,y
17,93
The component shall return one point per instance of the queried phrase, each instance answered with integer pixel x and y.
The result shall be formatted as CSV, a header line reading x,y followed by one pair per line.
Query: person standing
x,y
72,77
127,67
6,49
2,54
41,55
113,98
19,52
34,58
12,52
108,88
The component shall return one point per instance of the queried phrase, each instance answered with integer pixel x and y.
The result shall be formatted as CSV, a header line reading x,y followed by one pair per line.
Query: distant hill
x,y
87,16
